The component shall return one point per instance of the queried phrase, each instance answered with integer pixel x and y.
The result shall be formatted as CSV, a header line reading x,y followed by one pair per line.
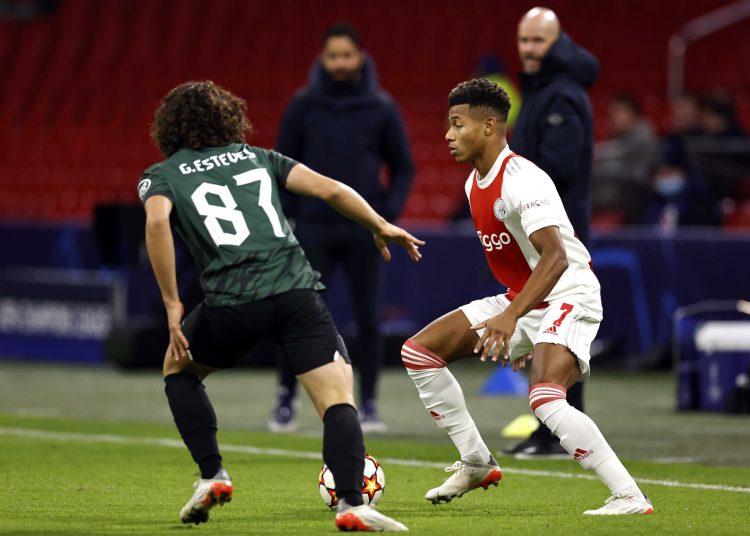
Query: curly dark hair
x,y
481,93
199,114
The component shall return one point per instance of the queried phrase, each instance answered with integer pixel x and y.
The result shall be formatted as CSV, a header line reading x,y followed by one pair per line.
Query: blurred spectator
x,y
722,153
624,163
685,118
492,68
685,124
718,118
343,125
680,195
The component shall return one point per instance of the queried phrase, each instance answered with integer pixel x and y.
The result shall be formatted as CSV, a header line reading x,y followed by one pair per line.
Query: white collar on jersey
x,y
484,182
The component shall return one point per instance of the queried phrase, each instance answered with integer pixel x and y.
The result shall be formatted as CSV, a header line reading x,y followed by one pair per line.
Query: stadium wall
x,y
62,302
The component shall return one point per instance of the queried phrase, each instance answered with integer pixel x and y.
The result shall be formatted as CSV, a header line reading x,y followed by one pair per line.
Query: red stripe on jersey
x,y
504,257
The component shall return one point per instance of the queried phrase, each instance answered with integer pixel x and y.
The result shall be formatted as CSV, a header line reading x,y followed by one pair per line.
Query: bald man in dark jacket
x,y
554,129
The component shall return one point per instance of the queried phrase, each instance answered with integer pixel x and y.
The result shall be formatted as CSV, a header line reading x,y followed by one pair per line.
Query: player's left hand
x,y
178,343
497,333
392,233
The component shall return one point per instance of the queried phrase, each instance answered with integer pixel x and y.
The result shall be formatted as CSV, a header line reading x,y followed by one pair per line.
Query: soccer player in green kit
x,y
222,196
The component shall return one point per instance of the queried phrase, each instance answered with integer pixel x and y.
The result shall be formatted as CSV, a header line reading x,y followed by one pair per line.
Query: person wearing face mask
x,y
554,129
345,126
681,195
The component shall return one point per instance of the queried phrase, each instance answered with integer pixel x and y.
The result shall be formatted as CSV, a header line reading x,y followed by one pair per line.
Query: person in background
x,y
680,194
623,164
345,126
685,116
718,118
554,129
721,154
684,124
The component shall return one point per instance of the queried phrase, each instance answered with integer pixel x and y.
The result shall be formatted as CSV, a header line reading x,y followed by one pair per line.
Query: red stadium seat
x,y
80,85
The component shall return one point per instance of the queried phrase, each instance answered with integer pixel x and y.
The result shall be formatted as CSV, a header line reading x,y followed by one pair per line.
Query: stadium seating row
x,y
80,86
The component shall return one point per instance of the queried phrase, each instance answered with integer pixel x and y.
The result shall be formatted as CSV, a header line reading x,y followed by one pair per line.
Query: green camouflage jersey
x,y
226,207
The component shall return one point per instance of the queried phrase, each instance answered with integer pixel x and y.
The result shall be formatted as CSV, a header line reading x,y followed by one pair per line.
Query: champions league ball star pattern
x,y
373,484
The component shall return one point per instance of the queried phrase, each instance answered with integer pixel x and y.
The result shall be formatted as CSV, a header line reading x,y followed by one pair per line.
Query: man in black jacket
x,y
344,126
554,129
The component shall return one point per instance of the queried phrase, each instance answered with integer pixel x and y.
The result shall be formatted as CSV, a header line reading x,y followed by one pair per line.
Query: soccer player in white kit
x,y
548,317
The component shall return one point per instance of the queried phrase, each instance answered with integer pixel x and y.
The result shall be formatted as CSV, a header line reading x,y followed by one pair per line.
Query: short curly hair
x,y
199,114
481,93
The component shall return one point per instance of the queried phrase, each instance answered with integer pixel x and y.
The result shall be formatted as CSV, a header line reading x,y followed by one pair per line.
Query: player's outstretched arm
x,y
160,247
304,181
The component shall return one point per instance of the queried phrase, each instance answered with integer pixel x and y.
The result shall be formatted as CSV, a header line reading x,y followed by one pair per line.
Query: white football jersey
x,y
514,200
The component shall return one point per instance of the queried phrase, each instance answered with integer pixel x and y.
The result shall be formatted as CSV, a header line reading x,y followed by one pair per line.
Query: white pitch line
x,y
285,453
667,460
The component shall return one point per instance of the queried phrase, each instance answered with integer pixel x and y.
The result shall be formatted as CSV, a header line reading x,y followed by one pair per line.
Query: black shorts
x,y
298,321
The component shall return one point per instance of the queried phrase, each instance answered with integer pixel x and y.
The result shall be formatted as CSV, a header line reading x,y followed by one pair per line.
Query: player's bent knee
x,y
416,357
554,364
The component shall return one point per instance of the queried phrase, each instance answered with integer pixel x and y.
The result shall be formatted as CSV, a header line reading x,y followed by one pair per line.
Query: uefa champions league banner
x,y
58,314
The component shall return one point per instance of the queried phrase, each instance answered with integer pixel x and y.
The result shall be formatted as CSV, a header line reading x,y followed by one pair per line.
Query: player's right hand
x,y
397,235
178,343
495,341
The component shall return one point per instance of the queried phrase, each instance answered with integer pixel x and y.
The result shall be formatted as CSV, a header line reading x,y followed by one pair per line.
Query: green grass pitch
x,y
71,477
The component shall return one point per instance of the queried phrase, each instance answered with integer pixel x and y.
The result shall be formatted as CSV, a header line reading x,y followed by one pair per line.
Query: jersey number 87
x,y
227,211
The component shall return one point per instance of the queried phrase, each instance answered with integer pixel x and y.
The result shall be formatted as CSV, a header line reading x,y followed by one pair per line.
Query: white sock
x,y
442,396
581,438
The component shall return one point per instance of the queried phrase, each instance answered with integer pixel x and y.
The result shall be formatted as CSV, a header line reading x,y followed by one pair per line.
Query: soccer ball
x,y
373,484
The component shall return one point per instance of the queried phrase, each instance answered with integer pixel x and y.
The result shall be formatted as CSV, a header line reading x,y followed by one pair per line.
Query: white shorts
x,y
563,322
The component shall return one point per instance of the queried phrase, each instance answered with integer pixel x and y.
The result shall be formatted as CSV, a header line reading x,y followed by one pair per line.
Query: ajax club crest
x,y
499,208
